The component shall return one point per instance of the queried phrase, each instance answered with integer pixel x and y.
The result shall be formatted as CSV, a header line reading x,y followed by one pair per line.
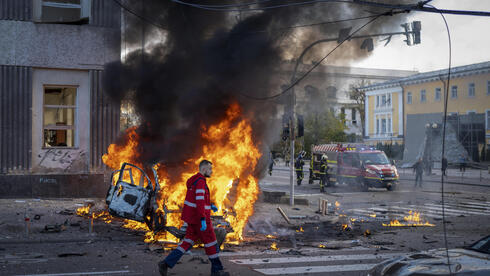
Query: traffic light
x,y
406,26
416,27
285,127
367,44
301,127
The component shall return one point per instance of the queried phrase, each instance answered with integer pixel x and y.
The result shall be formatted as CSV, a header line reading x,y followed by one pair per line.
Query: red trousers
x,y
194,234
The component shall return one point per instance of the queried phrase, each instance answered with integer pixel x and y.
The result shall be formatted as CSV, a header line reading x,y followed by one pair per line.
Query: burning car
x,y
138,201
471,260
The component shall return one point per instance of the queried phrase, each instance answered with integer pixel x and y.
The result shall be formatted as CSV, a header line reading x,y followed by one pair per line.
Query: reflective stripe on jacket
x,y
197,202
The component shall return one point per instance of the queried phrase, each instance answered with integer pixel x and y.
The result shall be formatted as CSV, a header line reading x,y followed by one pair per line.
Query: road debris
x,y
71,254
283,215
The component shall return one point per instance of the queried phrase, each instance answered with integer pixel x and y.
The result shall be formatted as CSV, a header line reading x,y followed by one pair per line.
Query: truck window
x,y
347,159
355,160
374,158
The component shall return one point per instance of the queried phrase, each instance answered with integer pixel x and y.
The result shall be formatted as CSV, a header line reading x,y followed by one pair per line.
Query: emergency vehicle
x,y
355,164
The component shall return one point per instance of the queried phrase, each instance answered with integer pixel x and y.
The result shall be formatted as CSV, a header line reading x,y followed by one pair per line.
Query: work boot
x,y
220,273
162,268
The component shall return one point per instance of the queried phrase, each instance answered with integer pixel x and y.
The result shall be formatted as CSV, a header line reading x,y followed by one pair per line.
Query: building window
x,y
471,90
488,87
61,11
454,92
59,116
354,121
423,98
377,126
437,94
389,100
383,126
377,101
383,100
409,97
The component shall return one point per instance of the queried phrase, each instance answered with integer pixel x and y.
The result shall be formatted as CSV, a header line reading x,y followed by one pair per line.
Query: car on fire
x,y
471,260
355,164
137,201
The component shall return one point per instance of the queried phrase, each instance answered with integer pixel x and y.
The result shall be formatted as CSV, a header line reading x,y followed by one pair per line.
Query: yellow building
x,y
401,110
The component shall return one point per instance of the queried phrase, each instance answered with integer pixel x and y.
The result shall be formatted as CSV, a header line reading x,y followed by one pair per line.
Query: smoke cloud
x,y
202,61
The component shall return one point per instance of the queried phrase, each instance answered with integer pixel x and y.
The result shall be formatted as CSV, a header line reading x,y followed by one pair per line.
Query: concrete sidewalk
x,y
470,176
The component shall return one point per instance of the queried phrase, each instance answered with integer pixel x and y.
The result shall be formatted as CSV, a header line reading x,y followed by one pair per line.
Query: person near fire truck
x,y
418,168
298,166
323,173
197,215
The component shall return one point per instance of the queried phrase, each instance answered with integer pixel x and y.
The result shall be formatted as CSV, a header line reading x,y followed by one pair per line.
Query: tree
x,y
321,128
359,97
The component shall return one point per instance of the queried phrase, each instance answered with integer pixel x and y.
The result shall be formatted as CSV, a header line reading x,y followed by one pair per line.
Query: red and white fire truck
x,y
356,164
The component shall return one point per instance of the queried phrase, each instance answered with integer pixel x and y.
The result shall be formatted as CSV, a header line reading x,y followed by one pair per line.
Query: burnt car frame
x,y
133,201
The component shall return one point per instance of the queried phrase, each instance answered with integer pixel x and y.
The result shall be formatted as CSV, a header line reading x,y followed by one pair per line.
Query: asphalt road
x,y
314,251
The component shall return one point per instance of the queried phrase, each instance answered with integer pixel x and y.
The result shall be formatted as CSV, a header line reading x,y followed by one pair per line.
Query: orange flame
x,y
413,219
274,246
337,204
270,237
234,154
82,211
300,229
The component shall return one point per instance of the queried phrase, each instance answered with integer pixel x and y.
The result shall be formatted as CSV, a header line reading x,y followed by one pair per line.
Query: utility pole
x,y
292,136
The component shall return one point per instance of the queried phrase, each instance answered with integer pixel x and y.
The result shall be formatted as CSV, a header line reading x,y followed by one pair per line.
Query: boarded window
x,y
59,116
62,11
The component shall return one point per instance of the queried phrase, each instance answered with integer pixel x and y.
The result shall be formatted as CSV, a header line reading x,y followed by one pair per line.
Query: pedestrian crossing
x,y
327,264
431,210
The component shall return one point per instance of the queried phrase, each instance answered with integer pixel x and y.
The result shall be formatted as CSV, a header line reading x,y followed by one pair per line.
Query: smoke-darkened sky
x,y
201,61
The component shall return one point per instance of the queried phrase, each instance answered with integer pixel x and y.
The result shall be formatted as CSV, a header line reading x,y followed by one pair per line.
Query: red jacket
x,y
197,202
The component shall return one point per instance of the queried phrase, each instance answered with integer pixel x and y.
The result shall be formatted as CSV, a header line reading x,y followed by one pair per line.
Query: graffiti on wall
x,y
61,160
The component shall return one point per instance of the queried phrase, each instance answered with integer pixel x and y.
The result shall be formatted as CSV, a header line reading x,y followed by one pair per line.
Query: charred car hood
x,y
434,262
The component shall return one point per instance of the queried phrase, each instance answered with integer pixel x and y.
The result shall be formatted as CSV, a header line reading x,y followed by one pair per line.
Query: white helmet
x,y
324,157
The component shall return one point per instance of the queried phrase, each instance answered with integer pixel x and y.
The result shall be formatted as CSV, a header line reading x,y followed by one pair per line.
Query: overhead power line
x,y
251,6
295,82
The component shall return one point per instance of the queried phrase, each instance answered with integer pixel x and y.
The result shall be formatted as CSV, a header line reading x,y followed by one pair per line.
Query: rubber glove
x,y
203,225
214,208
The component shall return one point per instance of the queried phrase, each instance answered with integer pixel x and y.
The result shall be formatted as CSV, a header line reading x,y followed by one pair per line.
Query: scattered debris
x,y
62,255
283,215
66,212
54,228
155,247
200,259
37,217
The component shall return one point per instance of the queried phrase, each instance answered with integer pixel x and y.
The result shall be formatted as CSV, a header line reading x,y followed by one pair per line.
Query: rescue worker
x,y
197,215
271,162
418,168
324,173
298,166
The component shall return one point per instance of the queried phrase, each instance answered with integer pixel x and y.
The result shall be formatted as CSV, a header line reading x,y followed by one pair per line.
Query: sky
x,y
470,37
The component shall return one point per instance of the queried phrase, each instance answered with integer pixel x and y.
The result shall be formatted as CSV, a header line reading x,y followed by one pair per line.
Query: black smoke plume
x,y
200,62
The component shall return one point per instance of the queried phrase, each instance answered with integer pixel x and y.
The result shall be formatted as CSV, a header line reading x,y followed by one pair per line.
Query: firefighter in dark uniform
x,y
323,173
298,166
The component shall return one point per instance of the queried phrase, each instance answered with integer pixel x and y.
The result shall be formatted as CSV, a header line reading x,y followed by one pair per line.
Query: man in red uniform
x,y
197,215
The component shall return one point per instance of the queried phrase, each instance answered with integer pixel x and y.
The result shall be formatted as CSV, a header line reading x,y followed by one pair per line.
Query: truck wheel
x,y
363,184
391,187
